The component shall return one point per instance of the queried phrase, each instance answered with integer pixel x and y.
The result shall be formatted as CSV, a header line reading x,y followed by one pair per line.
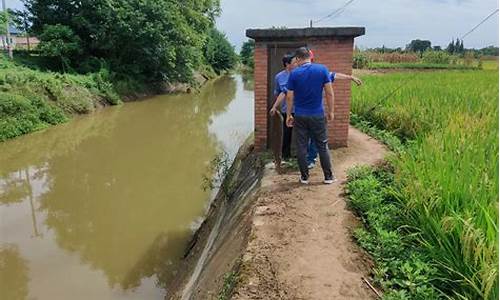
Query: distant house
x,y
18,40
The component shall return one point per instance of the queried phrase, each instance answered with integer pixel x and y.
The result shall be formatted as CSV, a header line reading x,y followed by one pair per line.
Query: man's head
x,y
302,55
287,61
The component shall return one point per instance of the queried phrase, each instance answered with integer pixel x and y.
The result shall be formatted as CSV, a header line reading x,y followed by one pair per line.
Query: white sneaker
x,y
330,181
303,181
311,165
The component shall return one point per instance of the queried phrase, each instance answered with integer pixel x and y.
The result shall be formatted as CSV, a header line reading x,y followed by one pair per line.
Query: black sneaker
x,y
330,180
304,180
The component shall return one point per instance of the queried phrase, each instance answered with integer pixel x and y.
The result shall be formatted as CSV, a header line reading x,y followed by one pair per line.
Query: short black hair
x,y
287,59
302,53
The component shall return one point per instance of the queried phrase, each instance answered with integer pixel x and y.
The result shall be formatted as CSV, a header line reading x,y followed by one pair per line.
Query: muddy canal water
x,y
102,207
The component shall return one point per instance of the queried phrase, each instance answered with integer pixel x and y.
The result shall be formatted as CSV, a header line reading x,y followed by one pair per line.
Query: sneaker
x,y
311,165
330,180
304,180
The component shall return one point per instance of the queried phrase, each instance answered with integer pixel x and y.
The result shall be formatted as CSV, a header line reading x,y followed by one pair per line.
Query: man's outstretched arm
x,y
355,79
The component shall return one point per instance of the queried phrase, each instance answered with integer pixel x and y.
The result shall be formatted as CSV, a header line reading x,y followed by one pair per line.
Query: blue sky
x,y
392,23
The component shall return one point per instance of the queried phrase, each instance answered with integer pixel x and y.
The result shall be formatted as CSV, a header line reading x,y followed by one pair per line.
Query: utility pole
x,y
9,46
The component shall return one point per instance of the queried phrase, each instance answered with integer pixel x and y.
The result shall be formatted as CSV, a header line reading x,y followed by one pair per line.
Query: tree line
x,y
455,47
148,40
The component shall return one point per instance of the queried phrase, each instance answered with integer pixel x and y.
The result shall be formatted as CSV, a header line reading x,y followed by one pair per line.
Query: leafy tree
x,y
451,47
418,45
3,22
461,48
246,53
219,53
456,47
436,48
59,41
490,50
153,40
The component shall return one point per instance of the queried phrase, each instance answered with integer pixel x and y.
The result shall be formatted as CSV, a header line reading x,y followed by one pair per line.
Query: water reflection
x,y
117,190
248,80
13,274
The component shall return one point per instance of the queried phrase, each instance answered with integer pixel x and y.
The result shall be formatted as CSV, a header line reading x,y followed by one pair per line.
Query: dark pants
x,y
315,128
287,139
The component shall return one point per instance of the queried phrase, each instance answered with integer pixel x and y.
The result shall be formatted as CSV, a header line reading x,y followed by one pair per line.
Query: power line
x,y
480,23
335,13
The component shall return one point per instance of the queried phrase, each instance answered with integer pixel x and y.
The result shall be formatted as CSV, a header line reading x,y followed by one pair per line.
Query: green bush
x,y
400,269
20,115
360,60
152,41
31,100
219,53
436,57
60,42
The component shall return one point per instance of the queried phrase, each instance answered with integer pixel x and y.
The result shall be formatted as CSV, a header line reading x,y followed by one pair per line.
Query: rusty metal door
x,y
275,65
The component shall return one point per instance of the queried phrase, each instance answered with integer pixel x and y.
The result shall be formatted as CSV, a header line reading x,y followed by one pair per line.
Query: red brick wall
x,y
260,86
336,54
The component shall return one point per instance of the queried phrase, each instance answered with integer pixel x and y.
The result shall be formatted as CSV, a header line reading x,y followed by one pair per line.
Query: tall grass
x,y
448,176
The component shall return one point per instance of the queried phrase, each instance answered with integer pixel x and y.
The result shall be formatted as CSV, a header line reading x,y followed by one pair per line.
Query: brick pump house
x,y
332,46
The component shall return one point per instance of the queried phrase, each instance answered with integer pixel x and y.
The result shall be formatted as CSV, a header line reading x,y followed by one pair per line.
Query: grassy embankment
x,y
32,97
431,213
31,100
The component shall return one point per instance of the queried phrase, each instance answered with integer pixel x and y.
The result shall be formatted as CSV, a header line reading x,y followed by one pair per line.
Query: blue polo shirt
x,y
307,82
280,86
332,76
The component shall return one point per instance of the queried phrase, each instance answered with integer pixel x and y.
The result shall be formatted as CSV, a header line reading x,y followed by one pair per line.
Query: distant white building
x,y
17,40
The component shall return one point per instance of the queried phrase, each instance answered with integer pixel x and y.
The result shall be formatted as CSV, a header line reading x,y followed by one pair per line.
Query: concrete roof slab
x,y
308,32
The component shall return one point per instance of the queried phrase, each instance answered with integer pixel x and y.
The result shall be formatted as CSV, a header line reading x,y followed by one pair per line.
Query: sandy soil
x,y
301,244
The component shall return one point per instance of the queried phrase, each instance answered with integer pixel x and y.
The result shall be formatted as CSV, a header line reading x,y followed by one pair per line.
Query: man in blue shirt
x,y
312,152
305,94
280,89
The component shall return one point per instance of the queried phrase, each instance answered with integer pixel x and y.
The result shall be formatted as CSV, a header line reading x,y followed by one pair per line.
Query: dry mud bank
x,y
283,240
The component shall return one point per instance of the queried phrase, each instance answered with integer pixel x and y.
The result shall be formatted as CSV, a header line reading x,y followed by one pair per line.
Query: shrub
x,y
360,60
393,57
436,57
31,100
59,41
219,53
20,115
400,269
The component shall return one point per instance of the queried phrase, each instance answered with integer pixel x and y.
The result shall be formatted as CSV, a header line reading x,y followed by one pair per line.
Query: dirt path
x,y
301,245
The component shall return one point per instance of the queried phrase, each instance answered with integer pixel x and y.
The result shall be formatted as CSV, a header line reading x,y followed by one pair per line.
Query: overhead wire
x,y
416,74
335,13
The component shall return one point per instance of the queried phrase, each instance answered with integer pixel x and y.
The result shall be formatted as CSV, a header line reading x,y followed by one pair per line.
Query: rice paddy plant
x,y
448,176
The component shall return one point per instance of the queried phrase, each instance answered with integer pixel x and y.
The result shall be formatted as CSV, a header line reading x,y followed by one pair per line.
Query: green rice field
x,y
446,178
